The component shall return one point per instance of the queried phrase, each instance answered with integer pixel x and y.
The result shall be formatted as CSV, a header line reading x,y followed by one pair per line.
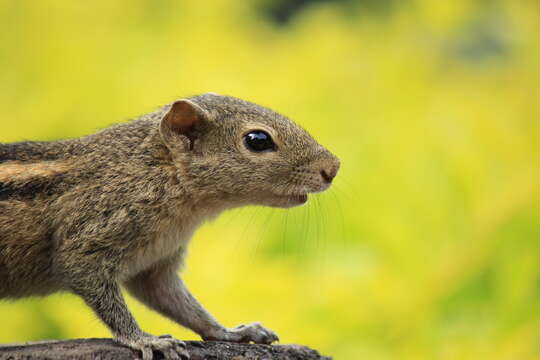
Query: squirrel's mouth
x,y
300,199
287,201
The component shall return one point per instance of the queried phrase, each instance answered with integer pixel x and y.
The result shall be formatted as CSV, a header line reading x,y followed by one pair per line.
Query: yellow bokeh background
x,y
428,244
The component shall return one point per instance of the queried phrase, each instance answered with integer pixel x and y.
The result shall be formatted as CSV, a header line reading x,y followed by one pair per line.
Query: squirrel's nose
x,y
329,173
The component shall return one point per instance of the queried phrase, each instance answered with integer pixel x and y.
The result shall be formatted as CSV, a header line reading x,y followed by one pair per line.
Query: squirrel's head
x,y
244,153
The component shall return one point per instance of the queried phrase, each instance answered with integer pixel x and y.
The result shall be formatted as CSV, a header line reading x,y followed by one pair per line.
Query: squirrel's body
x,y
104,178
117,208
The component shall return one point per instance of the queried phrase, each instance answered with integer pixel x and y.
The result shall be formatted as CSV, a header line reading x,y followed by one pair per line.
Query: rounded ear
x,y
181,123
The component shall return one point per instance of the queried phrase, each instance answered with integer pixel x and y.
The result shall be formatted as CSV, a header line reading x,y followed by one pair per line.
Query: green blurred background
x,y
428,245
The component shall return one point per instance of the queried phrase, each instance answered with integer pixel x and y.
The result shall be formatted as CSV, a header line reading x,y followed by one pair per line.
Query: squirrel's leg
x,y
161,289
105,298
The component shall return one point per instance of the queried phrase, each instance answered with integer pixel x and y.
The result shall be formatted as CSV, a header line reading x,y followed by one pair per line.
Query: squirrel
x,y
116,209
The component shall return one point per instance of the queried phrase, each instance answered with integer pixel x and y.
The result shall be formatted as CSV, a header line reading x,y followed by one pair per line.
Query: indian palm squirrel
x,y
118,208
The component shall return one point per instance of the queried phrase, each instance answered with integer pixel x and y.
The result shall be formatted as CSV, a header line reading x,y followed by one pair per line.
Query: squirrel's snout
x,y
328,176
330,170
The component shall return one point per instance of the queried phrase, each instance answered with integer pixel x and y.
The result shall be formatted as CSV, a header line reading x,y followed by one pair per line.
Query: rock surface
x,y
198,350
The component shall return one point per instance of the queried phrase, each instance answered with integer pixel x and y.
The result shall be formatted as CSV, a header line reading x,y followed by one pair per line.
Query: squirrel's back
x,y
34,175
31,151
28,171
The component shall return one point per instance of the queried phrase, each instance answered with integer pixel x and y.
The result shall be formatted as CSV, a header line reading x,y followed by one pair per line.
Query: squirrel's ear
x,y
183,119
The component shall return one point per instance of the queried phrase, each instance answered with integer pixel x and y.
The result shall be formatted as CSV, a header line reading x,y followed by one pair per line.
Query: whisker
x,y
283,238
351,192
238,240
305,228
340,217
263,235
322,241
249,226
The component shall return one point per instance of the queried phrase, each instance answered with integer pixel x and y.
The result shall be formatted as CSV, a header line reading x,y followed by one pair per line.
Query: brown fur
x,y
17,171
119,207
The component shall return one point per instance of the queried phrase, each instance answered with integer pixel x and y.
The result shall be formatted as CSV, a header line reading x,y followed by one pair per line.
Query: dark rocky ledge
x,y
198,350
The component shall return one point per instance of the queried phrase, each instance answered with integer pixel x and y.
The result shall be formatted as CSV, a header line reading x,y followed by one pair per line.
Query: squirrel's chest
x,y
169,240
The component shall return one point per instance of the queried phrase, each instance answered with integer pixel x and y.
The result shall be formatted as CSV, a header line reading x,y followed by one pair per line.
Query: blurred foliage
x,y
428,245
283,11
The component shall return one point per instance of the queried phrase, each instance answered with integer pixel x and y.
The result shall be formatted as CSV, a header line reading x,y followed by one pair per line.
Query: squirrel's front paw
x,y
170,347
245,333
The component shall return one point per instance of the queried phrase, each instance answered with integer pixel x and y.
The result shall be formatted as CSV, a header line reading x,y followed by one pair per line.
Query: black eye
x,y
258,141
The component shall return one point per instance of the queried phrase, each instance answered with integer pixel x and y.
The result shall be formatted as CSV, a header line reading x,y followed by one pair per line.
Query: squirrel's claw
x,y
255,333
171,348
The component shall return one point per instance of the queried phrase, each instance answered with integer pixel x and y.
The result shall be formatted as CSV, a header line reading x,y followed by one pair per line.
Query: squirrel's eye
x,y
258,141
